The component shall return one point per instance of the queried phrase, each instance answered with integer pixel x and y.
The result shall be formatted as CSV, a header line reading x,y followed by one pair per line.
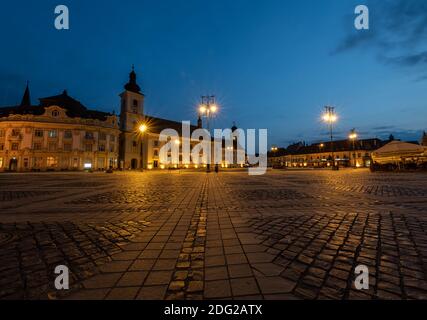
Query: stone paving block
x,y
244,286
214,251
107,280
216,273
150,254
116,266
215,261
236,258
259,257
195,286
268,269
152,293
142,265
128,293
240,270
96,294
158,278
217,289
126,255
271,285
165,264
132,279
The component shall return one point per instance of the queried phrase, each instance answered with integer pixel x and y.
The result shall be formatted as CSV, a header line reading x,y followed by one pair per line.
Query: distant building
x,y
343,153
424,139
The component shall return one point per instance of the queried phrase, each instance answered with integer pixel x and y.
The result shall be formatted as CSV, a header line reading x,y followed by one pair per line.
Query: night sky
x,y
272,64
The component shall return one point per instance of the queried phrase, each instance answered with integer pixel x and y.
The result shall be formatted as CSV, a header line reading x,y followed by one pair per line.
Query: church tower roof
x,y
132,85
26,100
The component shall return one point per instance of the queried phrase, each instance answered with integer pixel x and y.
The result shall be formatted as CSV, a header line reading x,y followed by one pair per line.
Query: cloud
x,y
354,41
384,128
410,59
398,29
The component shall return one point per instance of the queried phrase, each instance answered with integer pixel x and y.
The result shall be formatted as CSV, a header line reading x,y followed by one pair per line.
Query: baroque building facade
x,y
57,134
60,133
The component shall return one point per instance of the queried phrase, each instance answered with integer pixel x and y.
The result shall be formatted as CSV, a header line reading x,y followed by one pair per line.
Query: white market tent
x,y
398,151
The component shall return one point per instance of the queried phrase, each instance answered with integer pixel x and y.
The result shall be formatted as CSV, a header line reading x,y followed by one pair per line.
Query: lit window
x,y
37,162
52,134
51,162
38,133
89,135
1,162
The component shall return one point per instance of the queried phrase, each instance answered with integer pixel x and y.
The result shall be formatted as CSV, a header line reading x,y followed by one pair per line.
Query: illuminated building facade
x,y
60,133
343,152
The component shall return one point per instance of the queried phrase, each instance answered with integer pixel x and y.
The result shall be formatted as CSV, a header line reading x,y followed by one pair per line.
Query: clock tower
x,y
131,117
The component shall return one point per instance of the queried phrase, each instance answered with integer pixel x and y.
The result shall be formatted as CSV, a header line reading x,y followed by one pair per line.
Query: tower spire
x,y
26,100
132,85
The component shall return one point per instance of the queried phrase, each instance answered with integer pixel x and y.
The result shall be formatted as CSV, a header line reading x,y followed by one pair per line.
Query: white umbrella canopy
x,y
398,150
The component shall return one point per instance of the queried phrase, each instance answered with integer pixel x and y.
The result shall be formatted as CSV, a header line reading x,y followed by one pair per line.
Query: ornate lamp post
x,y
320,155
330,117
353,136
142,129
208,108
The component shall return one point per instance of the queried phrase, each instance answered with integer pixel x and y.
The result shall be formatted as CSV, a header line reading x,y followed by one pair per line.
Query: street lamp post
x,y
142,128
330,117
208,109
320,155
353,136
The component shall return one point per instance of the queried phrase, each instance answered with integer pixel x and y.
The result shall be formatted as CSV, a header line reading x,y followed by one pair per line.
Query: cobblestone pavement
x,y
192,235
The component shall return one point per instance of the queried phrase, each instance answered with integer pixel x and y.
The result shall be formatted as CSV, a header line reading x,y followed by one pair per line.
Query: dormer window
x,y
55,113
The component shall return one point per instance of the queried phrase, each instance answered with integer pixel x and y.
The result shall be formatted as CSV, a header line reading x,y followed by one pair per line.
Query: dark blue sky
x,y
272,64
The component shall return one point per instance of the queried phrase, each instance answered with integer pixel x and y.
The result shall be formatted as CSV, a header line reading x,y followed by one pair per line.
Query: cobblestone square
x,y
191,235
